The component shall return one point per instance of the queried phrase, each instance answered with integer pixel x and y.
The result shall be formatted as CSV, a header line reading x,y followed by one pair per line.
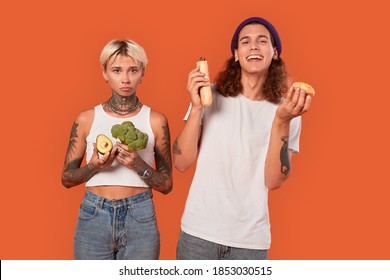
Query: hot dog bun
x,y
306,87
206,96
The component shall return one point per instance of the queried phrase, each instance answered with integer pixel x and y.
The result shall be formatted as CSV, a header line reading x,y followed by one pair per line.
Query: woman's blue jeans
x,y
117,229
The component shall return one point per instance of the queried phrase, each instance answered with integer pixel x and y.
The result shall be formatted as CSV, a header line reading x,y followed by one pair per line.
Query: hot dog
x,y
306,87
206,96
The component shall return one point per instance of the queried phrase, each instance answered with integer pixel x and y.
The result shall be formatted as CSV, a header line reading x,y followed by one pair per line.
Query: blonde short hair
x,y
124,47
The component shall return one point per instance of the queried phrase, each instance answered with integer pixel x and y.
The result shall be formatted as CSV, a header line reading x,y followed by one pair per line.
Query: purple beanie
x,y
262,21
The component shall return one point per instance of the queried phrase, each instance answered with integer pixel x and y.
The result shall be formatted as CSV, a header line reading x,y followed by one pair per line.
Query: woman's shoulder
x,y
157,117
85,117
86,114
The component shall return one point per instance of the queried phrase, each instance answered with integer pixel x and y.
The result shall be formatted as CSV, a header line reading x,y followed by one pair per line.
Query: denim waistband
x,y
105,202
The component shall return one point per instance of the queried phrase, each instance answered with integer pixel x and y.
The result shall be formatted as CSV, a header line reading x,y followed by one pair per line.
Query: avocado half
x,y
103,144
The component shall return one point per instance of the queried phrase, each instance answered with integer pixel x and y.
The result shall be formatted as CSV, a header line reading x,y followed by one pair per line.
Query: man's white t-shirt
x,y
228,200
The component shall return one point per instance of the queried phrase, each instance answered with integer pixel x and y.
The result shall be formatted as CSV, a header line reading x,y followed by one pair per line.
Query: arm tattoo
x,y
284,157
74,175
176,147
159,178
72,142
163,161
162,164
166,152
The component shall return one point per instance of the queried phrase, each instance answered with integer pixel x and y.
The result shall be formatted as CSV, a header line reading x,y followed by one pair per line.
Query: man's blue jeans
x,y
193,248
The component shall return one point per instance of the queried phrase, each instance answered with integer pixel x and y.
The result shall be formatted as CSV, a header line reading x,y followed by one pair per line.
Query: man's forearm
x,y
277,165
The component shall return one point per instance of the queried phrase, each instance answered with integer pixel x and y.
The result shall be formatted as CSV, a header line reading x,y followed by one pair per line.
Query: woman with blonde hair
x,y
117,218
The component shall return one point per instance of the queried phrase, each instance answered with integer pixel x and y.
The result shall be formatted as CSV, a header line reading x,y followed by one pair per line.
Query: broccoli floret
x,y
114,130
129,135
142,140
119,131
128,124
138,144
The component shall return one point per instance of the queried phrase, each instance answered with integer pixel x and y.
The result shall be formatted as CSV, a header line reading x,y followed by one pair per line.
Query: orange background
x,y
336,202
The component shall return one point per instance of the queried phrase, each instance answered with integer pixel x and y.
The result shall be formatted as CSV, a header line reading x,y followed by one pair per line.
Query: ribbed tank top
x,y
118,174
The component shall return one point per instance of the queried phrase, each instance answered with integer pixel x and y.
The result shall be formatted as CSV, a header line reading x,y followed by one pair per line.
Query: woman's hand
x,y
103,161
129,158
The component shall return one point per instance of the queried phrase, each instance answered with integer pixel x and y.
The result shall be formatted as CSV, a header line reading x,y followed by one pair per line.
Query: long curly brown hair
x,y
228,81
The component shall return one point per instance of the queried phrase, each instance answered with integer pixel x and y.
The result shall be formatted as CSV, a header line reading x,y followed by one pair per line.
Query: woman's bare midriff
x,y
116,192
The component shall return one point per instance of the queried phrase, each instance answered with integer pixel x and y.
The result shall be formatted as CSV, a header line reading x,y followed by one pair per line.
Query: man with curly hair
x,y
243,144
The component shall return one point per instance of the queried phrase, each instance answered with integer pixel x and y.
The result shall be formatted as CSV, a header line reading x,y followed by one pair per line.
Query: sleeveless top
x,y
118,174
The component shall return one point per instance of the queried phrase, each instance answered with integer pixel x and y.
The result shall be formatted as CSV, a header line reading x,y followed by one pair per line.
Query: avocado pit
x,y
103,144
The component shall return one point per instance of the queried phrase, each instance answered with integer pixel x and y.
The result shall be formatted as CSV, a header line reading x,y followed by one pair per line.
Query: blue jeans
x,y
193,248
117,229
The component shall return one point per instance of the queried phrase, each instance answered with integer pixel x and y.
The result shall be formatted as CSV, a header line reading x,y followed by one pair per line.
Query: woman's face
x,y
254,50
123,74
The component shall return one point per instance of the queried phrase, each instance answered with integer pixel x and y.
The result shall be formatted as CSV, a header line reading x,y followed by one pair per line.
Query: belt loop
x,y
100,202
